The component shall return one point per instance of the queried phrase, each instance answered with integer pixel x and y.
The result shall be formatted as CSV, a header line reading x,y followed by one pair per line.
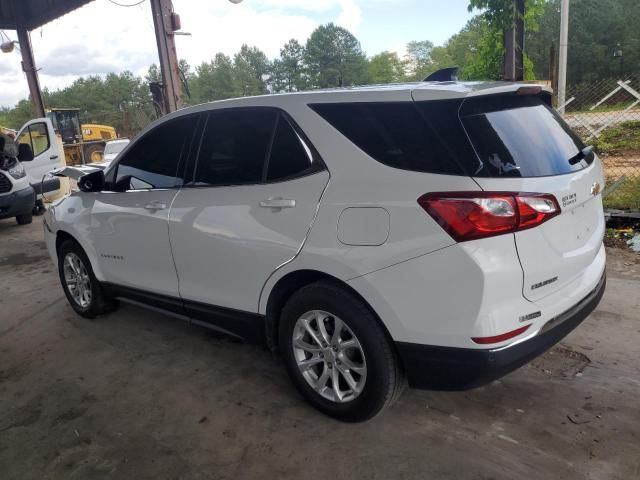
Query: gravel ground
x,y
138,395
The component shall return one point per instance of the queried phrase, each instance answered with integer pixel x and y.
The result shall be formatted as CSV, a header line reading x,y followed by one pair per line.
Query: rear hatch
x,y
523,145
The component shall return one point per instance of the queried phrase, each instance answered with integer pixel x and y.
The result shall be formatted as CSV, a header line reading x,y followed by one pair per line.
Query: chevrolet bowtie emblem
x,y
595,189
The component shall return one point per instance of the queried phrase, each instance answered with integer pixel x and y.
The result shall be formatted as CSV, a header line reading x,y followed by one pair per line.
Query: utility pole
x,y
28,62
564,43
166,22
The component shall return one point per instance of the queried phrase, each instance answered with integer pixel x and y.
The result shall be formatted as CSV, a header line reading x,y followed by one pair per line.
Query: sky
x,y
102,37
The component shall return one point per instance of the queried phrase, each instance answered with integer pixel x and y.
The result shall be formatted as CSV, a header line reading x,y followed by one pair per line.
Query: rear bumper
x,y
17,203
448,368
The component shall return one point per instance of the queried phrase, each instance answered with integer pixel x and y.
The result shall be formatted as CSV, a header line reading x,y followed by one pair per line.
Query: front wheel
x,y
84,292
24,219
94,153
337,354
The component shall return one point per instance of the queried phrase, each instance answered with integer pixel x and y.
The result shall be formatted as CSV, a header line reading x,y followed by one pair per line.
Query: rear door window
x,y
234,148
393,133
520,136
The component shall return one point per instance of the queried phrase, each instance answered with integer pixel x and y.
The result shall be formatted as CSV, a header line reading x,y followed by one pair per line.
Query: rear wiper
x,y
582,154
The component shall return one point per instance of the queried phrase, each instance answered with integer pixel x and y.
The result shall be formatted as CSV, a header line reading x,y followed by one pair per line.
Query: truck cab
x,y
47,152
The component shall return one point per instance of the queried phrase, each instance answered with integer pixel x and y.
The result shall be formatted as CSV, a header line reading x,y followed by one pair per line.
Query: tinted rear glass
x,y
520,136
395,134
234,147
288,157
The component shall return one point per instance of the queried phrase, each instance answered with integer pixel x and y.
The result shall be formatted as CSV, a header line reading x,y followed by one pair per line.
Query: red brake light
x,y
472,215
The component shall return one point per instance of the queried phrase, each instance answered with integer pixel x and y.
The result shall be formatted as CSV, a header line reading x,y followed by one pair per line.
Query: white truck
x,y
24,166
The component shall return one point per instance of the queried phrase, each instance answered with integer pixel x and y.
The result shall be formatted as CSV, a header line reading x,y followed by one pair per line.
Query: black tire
x,y
97,150
25,219
384,379
39,208
99,302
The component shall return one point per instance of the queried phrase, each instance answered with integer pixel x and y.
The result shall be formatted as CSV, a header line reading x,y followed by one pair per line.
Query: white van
x,y
48,154
24,166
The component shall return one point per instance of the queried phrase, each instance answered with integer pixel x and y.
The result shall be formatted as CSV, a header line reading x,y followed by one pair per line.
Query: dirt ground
x,y
139,395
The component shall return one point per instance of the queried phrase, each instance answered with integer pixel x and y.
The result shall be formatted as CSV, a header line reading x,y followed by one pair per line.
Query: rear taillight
x,y
472,215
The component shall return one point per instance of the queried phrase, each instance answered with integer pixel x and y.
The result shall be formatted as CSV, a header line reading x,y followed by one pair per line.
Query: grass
x,y
606,107
623,139
626,196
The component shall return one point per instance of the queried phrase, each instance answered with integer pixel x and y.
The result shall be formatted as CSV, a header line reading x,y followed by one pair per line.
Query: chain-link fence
x,y
606,114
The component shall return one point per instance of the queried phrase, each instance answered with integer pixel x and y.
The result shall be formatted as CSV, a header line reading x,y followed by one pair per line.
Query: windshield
x,y
67,123
521,136
113,148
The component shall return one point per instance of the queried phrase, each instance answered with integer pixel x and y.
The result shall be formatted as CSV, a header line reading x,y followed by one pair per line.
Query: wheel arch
x,y
63,235
293,281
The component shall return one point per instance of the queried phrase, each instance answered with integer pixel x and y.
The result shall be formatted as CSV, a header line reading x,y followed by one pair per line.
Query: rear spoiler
x,y
443,75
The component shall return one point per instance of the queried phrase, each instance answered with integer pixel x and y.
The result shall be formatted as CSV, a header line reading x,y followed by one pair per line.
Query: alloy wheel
x,y
77,280
329,356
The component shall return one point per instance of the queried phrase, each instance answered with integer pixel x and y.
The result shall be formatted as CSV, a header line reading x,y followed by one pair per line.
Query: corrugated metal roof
x,y
36,12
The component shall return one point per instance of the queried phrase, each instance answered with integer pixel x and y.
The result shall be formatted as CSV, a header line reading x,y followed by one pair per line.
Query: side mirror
x,y
25,154
92,182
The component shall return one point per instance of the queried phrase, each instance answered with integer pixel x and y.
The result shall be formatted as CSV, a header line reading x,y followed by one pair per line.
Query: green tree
x,y
423,58
102,100
334,58
419,59
500,14
16,117
386,67
477,49
153,74
289,70
214,80
251,70
596,27
186,76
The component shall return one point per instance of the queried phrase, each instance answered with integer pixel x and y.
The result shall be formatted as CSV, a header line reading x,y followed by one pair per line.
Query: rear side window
x,y
234,147
520,136
290,155
393,133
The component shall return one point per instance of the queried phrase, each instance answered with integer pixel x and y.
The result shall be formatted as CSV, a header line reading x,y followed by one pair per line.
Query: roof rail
x,y
443,75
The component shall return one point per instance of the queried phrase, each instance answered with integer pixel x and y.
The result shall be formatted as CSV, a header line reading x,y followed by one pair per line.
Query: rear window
x,y
520,136
396,134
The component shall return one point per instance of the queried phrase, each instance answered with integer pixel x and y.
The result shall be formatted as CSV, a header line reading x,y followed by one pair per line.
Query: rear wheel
x,y
84,292
336,353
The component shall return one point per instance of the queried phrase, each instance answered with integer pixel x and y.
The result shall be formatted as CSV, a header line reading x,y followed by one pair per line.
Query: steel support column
x,y
28,62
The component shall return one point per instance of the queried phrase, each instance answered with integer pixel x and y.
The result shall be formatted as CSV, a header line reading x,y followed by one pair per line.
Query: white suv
x,y
443,232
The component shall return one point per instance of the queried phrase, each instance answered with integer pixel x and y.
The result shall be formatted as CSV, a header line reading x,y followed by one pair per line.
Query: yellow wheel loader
x,y
83,143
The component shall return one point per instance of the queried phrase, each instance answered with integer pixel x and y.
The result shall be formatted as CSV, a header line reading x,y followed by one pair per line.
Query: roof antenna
x,y
443,75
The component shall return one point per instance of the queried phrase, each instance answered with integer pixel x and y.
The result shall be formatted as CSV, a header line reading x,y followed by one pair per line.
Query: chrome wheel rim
x,y
329,356
77,280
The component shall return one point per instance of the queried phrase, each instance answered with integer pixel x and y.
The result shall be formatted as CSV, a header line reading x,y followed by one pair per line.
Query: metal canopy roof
x,y
35,12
